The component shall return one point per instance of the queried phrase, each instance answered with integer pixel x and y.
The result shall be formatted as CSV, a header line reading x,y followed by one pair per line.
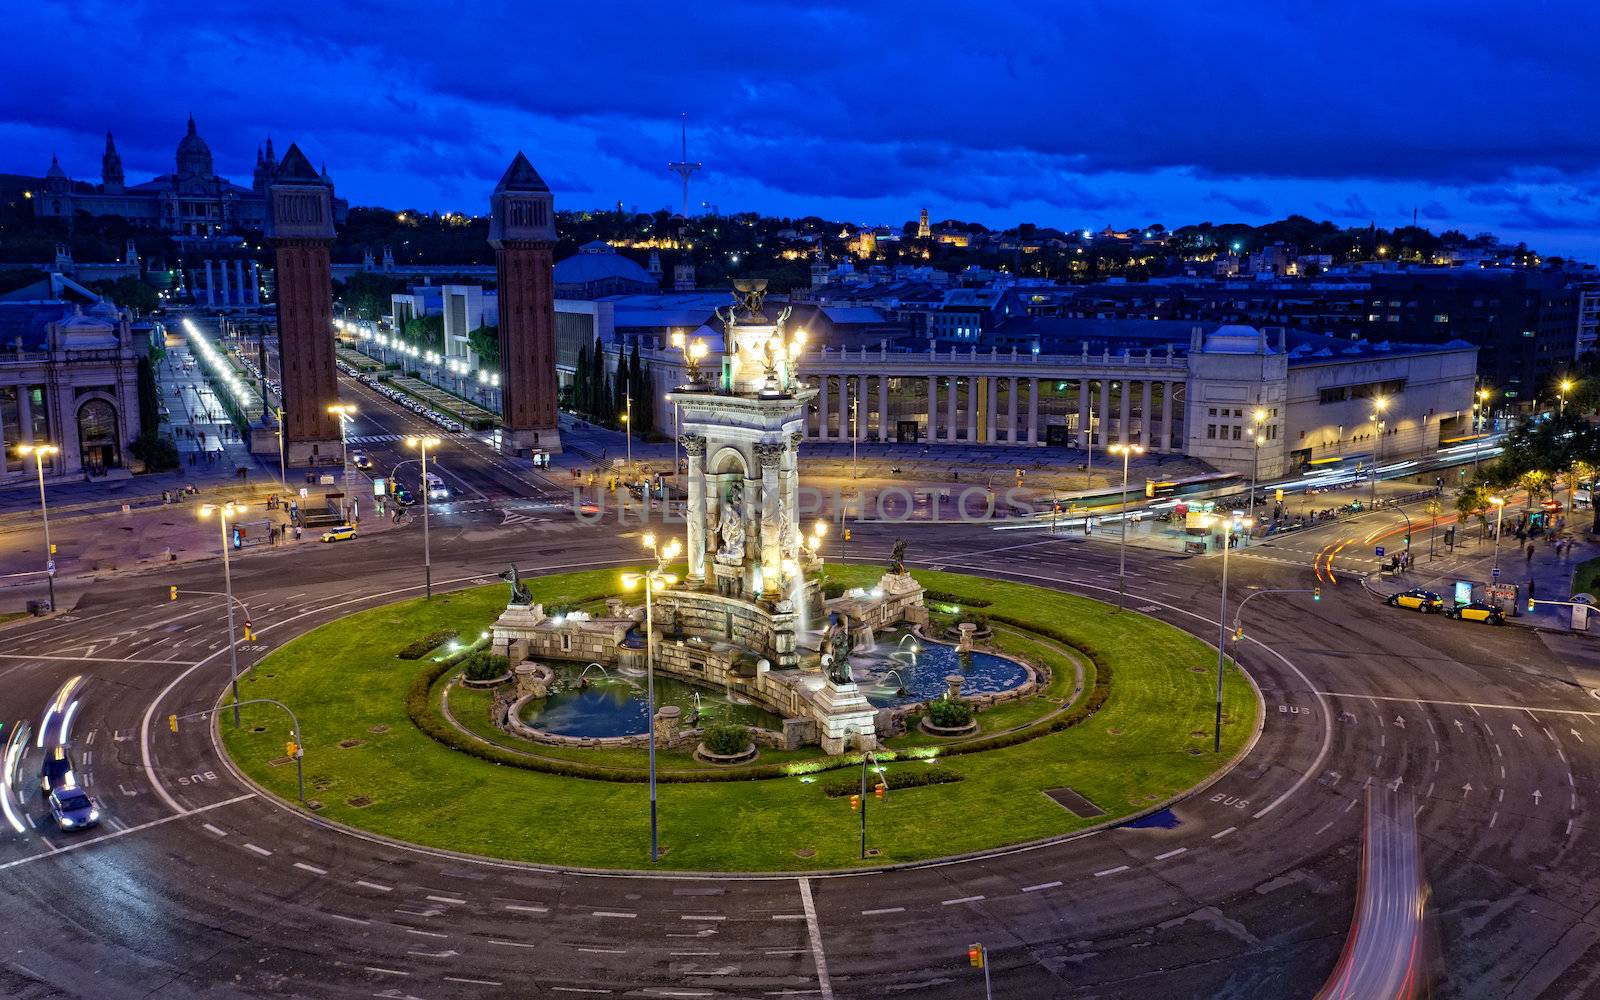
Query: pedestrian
x,y
1530,553
297,532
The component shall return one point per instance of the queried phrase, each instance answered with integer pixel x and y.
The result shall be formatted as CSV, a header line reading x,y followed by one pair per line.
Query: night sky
x,y
1478,116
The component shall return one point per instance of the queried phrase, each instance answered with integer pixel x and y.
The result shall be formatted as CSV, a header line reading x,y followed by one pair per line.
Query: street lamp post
x,y
1257,418
1499,519
627,426
40,452
653,579
1126,451
1228,526
283,465
344,411
423,444
1382,404
1477,428
855,430
1561,394
226,512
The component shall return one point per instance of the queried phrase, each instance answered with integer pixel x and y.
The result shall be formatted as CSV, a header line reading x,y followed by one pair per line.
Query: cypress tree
x,y
580,382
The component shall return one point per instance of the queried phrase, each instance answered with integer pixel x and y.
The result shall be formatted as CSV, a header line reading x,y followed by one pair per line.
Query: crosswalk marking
x,y
374,438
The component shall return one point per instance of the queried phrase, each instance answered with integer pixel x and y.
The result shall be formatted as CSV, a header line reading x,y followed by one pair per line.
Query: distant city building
x,y
466,308
191,201
923,229
597,270
68,377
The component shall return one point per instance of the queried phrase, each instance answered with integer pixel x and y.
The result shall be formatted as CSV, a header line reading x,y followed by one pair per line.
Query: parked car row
x,y
444,420
273,385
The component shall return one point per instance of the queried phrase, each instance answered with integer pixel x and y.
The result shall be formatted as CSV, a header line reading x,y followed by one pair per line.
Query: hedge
x,y
725,738
945,597
838,788
418,648
483,665
950,713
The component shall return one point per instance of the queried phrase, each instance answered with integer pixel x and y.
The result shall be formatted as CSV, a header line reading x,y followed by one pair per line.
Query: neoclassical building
x,y
69,377
191,201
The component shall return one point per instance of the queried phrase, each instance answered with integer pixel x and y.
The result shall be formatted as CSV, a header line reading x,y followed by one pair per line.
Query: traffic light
x,y
1278,495
1238,633
880,790
172,722
1530,605
249,632
976,956
855,803
291,748
174,594
847,534
1316,593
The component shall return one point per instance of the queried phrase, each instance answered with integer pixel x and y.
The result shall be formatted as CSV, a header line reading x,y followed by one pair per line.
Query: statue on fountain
x,y
836,649
897,557
730,529
519,593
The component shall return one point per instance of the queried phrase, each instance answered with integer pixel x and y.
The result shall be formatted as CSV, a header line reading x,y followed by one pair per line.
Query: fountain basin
x,y
614,705
883,674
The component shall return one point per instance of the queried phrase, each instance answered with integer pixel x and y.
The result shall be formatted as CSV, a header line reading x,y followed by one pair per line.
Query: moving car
x,y
339,533
56,771
404,497
1417,600
1478,611
436,488
360,460
72,809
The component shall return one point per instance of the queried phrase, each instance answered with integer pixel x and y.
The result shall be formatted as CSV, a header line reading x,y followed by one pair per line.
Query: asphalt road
x,y
196,887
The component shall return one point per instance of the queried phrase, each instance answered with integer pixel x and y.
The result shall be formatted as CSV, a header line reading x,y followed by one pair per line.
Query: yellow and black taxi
x,y
1478,611
1417,600
339,533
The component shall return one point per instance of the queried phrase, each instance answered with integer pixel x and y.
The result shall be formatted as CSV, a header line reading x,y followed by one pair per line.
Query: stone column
x,y
822,408
694,446
991,406
1144,417
1102,438
1168,395
1125,405
791,489
238,283
1011,410
933,407
222,269
1033,411
768,457
1085,400
255,283
972,408
211,286
950,425
845,396
883,409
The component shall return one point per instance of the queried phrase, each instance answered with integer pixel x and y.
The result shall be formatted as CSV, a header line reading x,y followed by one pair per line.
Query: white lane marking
x,y
694,954
515,944
215,829
1322,829
884,910
518,908
373,885
1111,871
1223,833
1468,704
385,972
1040,886
352,920
818,958
258,850
452,900
575,989
788,916
963,899
1171,854
701,916
603,951
81,844
620,914
313,869
472,982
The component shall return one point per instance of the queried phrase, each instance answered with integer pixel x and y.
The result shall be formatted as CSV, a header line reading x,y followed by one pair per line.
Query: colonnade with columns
x,y
224,283
1129,407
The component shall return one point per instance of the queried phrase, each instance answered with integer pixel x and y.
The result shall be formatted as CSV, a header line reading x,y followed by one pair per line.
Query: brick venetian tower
x,y
522,230
300,229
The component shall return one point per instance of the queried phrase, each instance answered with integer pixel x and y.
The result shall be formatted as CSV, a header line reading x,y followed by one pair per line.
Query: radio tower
x,y
683,168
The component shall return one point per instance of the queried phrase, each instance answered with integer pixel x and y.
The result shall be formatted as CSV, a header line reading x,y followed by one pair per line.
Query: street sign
x,y
1494,574
1380,550
380,487
50,567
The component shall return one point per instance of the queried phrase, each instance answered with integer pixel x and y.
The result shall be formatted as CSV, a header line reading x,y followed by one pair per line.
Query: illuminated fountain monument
x,y
752,590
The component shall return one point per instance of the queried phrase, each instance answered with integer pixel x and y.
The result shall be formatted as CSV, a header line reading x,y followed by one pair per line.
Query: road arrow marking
x,y
1459,727
1516,729
1575,734
1537,795
1394,786
1466,789
1400,721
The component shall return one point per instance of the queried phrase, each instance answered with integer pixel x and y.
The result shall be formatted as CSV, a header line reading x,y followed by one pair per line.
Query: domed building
x,y
191,201
597,269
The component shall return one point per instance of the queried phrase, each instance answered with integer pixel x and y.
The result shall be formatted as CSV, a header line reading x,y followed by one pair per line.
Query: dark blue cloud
x,y
1066,113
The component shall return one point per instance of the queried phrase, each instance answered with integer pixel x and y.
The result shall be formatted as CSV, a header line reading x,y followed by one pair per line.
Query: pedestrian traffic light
x,y
1316,593
880,790
174,594
976,956
855,803
172,722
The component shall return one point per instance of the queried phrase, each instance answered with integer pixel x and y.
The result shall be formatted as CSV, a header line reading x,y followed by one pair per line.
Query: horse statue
x,y
519,593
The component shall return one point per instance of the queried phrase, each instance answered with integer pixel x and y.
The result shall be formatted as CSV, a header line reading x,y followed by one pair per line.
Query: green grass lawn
x,y
345,682
1586,577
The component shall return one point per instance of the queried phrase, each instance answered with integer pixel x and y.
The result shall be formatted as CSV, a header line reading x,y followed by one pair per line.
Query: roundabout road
x,y
197,887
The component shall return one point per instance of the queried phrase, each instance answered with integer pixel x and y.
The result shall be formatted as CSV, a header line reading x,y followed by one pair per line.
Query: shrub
x,y
905,777
482,665
725,738
832,589
422,646
946,597
950,713
977,618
